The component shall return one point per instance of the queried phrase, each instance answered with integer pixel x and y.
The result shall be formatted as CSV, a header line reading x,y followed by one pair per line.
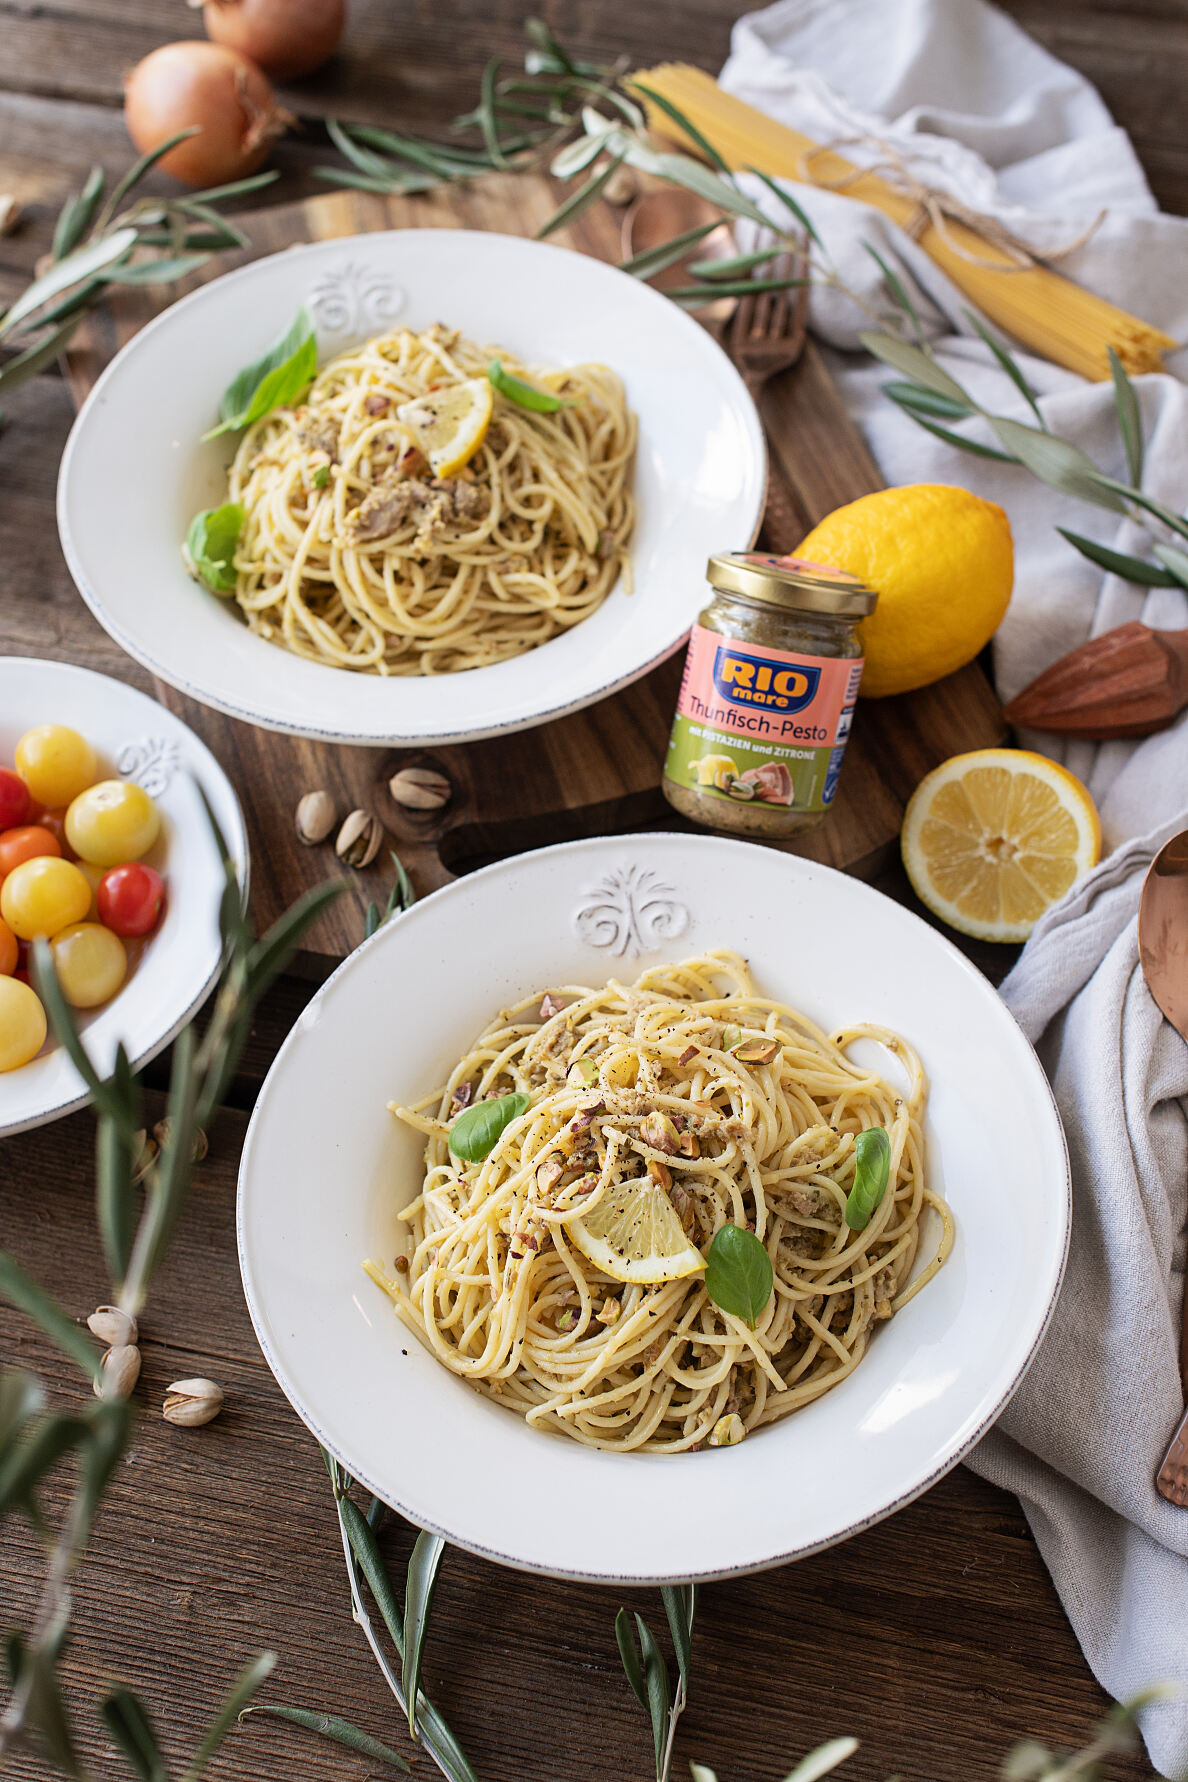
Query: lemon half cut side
x,y
992,839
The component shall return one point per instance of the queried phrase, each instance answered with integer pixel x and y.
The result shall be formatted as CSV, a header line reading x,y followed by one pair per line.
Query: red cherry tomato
x,y
10,951
130,899
26,843
15,802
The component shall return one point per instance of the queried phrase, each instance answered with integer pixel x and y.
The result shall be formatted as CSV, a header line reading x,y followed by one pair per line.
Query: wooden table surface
x,y
936,1638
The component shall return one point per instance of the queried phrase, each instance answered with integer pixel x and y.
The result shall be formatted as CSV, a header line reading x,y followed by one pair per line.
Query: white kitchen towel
x,y
973,105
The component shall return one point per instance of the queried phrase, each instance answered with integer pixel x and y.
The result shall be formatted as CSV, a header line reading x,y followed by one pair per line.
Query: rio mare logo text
x,y
757,681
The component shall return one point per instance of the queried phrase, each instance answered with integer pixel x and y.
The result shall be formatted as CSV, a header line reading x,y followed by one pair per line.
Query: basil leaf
x,y
210,546
321,476
738,1273
477,1130
272,381
873,1151
541,402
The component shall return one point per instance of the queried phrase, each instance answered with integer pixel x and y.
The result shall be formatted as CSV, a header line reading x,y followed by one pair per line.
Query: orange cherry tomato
x,y
10,951
26,843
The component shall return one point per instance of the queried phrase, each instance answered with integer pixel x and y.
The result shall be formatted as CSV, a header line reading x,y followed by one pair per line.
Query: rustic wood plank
x,y
215,1543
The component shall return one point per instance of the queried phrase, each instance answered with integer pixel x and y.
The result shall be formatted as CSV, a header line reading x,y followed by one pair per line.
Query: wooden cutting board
x,y
598,770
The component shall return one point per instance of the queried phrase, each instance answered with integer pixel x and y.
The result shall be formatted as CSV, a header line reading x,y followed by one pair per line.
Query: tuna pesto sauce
x,y
767,699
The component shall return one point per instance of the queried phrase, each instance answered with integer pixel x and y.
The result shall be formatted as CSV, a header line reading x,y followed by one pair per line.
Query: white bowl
x,y
134,474
135,739
325,1166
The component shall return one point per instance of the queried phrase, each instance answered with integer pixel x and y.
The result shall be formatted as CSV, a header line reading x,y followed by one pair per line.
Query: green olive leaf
x,y
873,1151
273,381
477,1130
525,395
210,544
738,1273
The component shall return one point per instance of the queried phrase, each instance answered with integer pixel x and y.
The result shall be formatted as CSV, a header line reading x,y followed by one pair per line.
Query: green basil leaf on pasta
x,y
873,1151
210,546
477,1130
321,476
738,1273
525,395
273,381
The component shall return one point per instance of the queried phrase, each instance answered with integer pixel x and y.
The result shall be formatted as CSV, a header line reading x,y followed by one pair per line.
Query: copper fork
x,y
764,337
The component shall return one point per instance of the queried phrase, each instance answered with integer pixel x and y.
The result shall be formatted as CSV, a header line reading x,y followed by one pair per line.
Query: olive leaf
x,y
128,1723
897,289
789,203
872,1149
77,214
1131,569
477,1130
23,1292
928,402
420,1585
1057,462
738,1273
686,124
915,363
83,263
273,381
581,200
820,1762
1009,364
658,259
919,414
331,1726
232,1705
210,544
1130,420
1174,560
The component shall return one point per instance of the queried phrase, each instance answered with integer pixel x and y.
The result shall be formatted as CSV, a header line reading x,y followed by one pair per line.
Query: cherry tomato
x,y
27,843
15,802
22,1024
112,822
129,899
43,896
10,951
90,962
56,763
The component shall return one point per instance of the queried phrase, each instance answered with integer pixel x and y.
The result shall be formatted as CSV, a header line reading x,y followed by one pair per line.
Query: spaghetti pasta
x,y
352,553
639,1090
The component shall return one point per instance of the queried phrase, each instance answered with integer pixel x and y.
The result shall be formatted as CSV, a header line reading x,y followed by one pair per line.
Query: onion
x,y
285,37
217,89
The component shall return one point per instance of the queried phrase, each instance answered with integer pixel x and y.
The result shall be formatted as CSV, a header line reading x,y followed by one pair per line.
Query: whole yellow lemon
x,y
943,564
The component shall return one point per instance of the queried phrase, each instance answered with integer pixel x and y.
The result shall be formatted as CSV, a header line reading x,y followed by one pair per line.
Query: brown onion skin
x,y
286,38
214,87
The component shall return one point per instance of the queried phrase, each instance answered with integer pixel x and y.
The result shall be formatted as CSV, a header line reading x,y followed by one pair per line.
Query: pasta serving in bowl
x,y
652,1208
472,493
355,554
564,1271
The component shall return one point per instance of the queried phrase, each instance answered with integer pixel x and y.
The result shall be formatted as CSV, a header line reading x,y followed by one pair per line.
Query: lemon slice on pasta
x,y
450,423
633,1234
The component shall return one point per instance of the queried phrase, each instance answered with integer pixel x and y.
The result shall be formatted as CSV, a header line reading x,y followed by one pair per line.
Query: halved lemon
x,y
633,1234
450,423
993,838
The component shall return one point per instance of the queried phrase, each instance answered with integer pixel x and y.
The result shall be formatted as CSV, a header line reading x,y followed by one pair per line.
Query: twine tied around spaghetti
x,y
935,208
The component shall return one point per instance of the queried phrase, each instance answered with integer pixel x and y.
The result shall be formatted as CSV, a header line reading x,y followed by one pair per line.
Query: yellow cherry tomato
x,y
112,822
90,962
56,763
42,896
22,1024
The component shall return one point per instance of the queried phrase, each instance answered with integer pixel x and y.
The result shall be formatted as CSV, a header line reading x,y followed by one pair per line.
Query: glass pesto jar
x,y
768,694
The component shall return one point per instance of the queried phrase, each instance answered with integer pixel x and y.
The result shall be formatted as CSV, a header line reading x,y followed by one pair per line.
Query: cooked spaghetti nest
x,y
497,1285
352,553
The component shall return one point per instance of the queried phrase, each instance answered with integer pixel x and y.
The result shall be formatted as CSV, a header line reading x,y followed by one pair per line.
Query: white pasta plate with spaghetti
x,y
412,487
652,1208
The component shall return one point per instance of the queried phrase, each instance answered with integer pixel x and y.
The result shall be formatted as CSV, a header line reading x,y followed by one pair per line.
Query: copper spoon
x,y
1163,955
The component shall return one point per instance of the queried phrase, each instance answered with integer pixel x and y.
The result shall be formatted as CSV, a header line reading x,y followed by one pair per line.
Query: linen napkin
x,y
976,107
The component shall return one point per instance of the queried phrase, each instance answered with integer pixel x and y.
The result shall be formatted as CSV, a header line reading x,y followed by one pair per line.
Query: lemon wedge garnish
x,y
993,838
633,1234
450,423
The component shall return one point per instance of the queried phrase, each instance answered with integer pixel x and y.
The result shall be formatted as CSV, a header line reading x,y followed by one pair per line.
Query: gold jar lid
x,y
792,583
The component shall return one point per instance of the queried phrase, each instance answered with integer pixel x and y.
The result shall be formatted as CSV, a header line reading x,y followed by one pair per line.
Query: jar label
x,y
762,725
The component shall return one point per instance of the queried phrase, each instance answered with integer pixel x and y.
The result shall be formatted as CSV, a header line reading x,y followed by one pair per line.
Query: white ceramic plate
x,y
134,474
325,1166
137,739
